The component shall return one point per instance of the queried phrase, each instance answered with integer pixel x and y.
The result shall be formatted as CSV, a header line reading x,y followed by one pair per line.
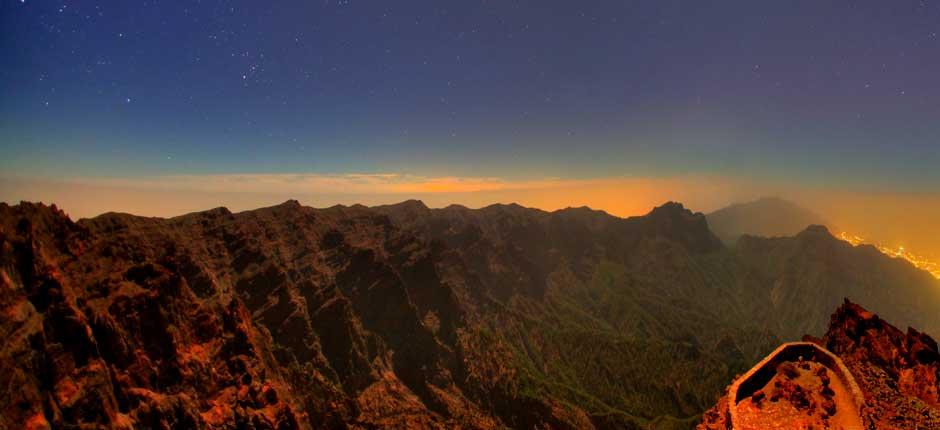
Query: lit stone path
x,y
800,386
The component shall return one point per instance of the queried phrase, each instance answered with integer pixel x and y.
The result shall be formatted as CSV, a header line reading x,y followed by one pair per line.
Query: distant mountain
x,y
766,217
403,316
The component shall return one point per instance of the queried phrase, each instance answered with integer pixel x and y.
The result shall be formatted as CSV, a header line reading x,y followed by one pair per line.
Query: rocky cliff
x,y
390,317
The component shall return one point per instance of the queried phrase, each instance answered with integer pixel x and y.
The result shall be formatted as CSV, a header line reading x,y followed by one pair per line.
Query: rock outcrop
x,y
96,334
899,371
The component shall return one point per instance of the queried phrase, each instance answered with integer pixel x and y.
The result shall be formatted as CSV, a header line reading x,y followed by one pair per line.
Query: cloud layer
x,y
173,195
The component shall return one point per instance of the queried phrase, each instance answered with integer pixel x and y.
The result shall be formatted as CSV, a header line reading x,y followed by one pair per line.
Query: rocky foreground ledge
x,y
896,372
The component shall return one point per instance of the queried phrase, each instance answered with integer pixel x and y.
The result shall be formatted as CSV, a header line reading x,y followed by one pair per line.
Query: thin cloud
x,y
173,195
354,183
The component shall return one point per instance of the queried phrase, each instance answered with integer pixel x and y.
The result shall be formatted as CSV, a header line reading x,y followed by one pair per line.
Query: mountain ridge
x,y
395,316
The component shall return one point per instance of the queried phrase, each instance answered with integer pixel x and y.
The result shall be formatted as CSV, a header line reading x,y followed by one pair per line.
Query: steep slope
x,y
809,274
621,317
345,319
94,339
897,373
402,316
182,321
765,217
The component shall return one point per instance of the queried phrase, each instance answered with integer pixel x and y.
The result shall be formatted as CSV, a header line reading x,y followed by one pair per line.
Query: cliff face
x,y
208,320
899,371
102,334
390,317
634,321
293,317
808,275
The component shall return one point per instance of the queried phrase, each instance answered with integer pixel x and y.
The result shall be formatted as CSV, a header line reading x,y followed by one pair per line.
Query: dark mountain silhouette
x,y
403,316
766,217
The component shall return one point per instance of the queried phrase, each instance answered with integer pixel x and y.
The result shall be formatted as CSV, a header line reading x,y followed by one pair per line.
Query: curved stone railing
x,y
764,371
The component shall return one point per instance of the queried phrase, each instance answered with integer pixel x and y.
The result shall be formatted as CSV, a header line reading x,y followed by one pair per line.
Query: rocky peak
x,y
816,230
671,208
852,329
900,371
852,322
288,205
861,335
674,221
412,204
410,207
220,211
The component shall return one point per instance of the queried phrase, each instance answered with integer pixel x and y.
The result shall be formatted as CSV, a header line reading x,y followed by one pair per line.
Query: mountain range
x,y
403,316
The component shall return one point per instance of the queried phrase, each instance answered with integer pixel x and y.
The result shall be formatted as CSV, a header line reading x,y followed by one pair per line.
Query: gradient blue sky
x,y
158,108
836,91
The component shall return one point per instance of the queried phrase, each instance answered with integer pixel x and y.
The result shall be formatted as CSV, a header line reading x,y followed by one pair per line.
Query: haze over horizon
x,y
873,216
130,300
155,110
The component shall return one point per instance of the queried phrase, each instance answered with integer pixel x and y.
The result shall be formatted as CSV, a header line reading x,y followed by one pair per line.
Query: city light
x,y
919,261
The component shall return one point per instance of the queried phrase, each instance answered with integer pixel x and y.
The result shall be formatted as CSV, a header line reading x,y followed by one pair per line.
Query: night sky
x,y
819,93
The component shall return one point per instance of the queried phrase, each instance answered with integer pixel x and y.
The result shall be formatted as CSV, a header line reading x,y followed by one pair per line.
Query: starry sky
x,y
823,95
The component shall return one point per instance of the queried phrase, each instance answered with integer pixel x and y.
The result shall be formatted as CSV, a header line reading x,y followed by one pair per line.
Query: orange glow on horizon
x,y
918,261
884,215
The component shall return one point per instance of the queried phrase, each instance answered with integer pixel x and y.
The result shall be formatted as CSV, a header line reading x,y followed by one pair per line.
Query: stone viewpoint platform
x,y
798,386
